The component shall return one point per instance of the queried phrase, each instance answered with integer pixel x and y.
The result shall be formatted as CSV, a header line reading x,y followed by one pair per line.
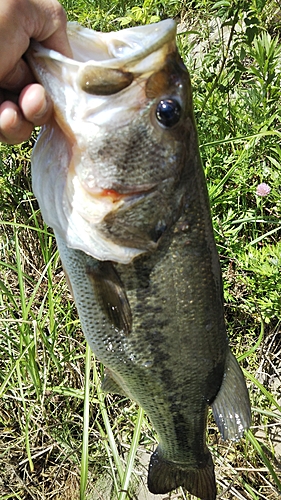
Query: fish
x,y
118,176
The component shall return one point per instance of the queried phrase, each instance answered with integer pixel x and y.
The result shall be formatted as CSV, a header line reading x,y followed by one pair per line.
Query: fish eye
x,y
168,112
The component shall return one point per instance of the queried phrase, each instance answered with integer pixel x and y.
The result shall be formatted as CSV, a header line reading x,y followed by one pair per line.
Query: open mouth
x,y
109,49
104,63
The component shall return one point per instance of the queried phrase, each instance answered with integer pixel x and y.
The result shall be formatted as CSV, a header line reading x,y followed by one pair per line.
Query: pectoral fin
x,y
109,385
111,294
231,408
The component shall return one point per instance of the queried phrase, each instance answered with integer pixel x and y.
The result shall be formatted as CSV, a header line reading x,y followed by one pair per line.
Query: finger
x,y
21,20
13,127
18,77
35,104
51,31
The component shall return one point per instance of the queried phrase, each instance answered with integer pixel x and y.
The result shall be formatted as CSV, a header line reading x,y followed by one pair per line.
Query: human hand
x,y
23,103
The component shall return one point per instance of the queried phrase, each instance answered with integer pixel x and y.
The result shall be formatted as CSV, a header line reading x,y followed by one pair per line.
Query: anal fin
x,y
231,408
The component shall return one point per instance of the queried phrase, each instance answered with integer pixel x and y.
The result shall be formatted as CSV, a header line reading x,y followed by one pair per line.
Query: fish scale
x,y
118,176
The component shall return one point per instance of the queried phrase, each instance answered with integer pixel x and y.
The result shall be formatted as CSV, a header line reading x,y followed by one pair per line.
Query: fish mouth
x,y
126,46
106,63
110,50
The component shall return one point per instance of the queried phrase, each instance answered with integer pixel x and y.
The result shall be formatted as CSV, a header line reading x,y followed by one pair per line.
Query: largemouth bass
x,y
118,176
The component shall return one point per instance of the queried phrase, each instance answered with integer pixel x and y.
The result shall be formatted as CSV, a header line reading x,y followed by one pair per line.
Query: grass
x,y
60,438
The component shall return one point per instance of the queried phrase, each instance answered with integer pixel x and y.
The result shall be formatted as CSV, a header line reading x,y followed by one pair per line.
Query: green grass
x,y
60,437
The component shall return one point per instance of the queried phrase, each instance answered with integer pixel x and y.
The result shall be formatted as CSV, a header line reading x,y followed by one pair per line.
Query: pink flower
x,y
263,189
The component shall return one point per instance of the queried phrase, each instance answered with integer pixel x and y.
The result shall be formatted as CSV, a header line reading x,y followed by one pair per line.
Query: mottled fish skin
x,y
157,320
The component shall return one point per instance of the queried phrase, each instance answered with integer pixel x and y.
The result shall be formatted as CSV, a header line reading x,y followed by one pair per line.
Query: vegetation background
x,y
59,438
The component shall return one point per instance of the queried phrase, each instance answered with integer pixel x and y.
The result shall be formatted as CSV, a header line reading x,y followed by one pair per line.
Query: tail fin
x,y
166,476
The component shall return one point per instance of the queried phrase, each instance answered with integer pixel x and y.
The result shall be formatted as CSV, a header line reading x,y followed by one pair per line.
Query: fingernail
x,y
10,120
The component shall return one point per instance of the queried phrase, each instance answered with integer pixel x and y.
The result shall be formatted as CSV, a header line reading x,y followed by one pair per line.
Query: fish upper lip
x,y
134,43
